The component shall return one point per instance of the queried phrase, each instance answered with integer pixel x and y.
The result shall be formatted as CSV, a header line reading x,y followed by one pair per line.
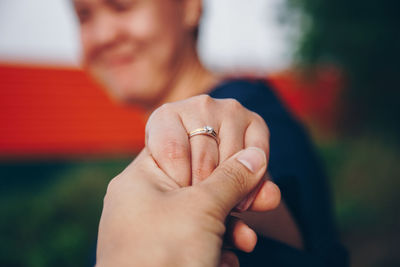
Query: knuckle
x,y
204,98
204,101
163,109
260,120
159,113
233,105
165,106
112,188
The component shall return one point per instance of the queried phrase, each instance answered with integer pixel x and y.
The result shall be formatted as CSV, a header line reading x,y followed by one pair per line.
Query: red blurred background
x,y
59,111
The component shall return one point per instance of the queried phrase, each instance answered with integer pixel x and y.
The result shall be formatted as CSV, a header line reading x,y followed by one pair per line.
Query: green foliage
x,y
50,217
362,38
50,210
365,175
365,182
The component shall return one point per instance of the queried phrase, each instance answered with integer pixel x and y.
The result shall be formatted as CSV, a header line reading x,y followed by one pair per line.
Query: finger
x,y
267,198
231,136
143,161
233,127
144,165
257,134
204,149
234,179
240,235
204,157
248,200
228,258
167,142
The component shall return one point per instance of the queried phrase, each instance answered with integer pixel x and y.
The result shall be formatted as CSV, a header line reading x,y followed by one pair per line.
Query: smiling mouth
x,y
118,60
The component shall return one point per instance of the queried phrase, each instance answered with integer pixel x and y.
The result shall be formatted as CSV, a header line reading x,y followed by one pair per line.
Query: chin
x,y
135,93
128,85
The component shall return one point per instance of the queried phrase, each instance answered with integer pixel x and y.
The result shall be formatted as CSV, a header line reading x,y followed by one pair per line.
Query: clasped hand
x,y
171,205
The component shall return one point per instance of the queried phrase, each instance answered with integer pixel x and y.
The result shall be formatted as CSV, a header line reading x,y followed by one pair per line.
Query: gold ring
x,y
206,130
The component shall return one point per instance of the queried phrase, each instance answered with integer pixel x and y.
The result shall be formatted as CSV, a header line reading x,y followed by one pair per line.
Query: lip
x,y
115,61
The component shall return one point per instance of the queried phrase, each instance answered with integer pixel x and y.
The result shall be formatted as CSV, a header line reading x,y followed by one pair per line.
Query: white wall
x,y
245,34
38,31
235,34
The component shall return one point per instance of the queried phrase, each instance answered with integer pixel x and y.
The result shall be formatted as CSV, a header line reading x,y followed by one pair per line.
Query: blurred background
x,y
334,63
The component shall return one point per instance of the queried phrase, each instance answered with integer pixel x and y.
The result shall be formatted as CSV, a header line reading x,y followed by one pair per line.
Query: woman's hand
x,y
148,219
190,160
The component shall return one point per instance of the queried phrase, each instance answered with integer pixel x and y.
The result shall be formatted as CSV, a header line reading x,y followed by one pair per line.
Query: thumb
x,y
235,178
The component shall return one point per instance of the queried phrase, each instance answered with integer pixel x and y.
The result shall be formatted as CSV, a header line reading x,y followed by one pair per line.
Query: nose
x,y
105,29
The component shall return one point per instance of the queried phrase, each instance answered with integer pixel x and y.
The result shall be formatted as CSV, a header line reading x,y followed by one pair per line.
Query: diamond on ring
x,y
206,130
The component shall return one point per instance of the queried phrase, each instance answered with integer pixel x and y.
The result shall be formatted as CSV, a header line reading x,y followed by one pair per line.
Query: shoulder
x,y
248,92
257,96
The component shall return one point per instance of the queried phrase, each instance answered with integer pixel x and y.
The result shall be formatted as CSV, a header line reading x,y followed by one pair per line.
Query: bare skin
x,y
149,220
143,52
166,139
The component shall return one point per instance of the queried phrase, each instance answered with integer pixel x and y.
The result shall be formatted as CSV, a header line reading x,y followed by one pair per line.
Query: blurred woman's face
x,y
133,47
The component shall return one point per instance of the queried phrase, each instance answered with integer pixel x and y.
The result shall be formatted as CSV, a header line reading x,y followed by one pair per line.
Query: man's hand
x,y
148,219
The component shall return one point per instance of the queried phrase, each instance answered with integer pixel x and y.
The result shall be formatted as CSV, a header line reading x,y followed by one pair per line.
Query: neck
x,y
191,79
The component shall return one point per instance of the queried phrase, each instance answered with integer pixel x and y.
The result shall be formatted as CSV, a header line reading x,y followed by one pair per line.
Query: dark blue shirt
x,y
295,168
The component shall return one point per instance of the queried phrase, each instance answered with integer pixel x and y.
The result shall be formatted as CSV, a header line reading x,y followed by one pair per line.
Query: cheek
x,y
144,25
154,25
86,44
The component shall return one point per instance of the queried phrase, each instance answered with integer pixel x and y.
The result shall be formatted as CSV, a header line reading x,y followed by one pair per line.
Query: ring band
x,y
206,130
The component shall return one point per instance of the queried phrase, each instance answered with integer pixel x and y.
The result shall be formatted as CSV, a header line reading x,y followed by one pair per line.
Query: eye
x,y
121,5
83,14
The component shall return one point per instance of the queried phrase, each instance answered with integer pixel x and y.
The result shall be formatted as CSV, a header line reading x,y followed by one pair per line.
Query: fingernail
x,y
252,158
